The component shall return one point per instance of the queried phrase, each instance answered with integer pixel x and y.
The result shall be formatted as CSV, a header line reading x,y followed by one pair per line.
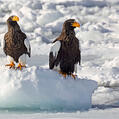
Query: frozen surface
x,y
43,89
91,114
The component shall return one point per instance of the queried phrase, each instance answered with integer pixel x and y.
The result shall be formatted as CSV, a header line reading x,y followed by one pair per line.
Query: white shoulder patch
x,y
3,43
55,48
27,44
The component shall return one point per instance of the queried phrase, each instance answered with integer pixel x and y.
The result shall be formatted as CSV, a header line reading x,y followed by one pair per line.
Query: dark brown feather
x,y
69,53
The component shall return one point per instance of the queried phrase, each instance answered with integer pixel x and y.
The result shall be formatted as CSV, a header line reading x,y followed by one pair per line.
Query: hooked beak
x,y
75,24
15,18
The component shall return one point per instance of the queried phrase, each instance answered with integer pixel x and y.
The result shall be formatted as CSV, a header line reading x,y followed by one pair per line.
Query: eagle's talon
x,y
20,66
73,76
11,65
63,74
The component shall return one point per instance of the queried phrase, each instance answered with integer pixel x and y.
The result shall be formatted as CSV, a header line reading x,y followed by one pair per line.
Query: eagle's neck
x,y
67,34
13,27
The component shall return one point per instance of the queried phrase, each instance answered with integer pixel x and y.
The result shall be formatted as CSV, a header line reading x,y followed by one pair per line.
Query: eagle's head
x,y
70,24
12,22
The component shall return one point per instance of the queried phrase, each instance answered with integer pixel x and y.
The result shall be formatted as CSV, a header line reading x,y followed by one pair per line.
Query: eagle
x,y
65,52
16,44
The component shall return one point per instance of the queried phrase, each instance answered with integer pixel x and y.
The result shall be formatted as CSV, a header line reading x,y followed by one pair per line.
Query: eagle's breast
x,y
14,45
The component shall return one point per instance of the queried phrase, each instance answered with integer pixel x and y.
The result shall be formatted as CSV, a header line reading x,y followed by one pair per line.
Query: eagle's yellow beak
x,y
75,24
15,18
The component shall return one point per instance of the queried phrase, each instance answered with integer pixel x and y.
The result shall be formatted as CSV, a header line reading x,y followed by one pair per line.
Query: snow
x,y
99,33
91,114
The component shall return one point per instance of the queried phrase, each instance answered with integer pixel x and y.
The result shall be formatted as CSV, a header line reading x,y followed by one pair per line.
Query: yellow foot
x,y
63,74
73,76
11,65
20,66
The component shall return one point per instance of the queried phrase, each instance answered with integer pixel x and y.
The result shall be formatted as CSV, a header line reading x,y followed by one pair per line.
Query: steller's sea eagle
x,y
16,44
65,53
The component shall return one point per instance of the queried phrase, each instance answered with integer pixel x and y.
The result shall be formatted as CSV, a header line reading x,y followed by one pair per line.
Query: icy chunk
x,y
44,89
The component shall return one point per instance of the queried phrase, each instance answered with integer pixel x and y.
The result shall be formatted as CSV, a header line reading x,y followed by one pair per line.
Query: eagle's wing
x,y
27,44
3,43
54,53
79,54
3,40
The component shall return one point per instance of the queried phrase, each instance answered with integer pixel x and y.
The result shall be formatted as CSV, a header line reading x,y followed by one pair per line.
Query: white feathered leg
x,y
11,62
10,59
75,69
22,61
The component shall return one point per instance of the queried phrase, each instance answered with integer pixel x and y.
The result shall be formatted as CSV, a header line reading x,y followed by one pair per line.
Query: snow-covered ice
x,y
44,89
42,21
91,114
